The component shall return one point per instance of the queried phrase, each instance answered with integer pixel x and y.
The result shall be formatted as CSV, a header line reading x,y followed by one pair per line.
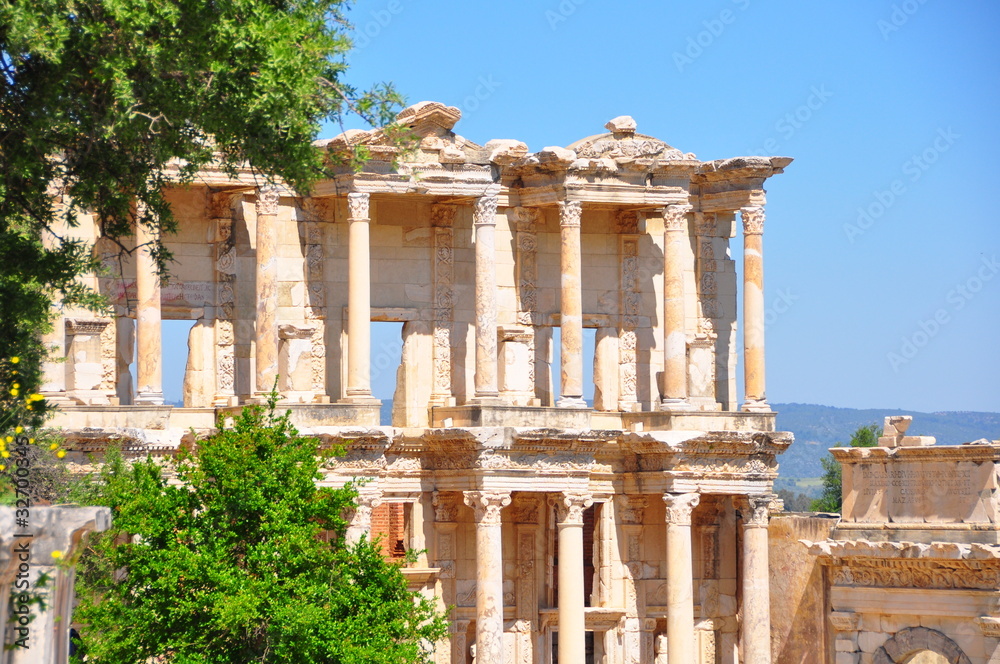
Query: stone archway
x,y
914,640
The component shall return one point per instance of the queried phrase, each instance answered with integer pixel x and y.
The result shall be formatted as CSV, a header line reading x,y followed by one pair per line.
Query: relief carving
x,y
753,220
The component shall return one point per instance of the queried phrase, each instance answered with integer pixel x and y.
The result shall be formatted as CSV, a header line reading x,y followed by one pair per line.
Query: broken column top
x,y
894,433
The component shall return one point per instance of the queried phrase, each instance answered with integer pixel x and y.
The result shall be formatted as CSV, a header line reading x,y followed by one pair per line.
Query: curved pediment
x,y
623,141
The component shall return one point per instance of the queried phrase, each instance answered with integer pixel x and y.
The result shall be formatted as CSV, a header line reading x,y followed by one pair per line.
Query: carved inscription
x,y
912,485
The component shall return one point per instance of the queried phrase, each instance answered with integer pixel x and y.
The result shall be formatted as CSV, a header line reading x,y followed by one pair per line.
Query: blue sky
x,y
882,239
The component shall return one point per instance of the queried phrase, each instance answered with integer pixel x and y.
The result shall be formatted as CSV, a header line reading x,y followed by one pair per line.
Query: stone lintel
x,y
977,453
867,549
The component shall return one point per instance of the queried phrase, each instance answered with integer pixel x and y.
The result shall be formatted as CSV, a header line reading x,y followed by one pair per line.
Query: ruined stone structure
x,y
631,531
911,572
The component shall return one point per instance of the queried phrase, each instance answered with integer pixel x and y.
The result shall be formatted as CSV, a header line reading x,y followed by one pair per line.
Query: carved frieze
x,y
445,506
109,358
627,222
918,574
627,336
631,509
267,201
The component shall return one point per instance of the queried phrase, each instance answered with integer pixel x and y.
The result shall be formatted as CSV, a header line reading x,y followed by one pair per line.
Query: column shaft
x,y
680,578
675,379
572,626
489,574
753,309
571,308
756,582
484,220
266,325
359,306
149,355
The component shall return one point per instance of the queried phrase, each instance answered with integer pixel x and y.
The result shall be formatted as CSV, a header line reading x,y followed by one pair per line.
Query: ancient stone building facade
x,y
631,531
910,574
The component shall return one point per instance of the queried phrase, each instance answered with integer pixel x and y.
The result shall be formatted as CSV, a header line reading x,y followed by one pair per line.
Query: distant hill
x,y
818,428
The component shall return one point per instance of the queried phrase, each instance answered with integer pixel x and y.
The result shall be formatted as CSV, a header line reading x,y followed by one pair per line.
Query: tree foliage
x,y
225,564
105,102
832,498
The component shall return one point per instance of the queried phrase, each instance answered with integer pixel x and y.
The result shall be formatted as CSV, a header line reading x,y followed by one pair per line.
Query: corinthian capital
x,y
680,506
485,211
364,505
267,200
357,206
755,511
569,213
570,506
753,220
487,505
675,217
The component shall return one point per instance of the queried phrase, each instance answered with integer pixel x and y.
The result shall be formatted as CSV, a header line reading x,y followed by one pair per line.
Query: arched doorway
x,y
927,657
920,645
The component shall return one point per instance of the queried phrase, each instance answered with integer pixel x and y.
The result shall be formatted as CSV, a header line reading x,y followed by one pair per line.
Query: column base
x,y
756,406
56,398
571,402
487,400
675,405
225,401
361,400
148,399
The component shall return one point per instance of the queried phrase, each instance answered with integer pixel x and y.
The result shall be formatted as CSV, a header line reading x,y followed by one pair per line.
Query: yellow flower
x,y
31,441
10,439
14,392
35,397
4,454
53,446
3,467
15,359
61,453
19,429
57,554
16,385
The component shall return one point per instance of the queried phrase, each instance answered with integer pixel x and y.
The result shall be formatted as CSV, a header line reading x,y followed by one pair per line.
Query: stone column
x,y
569,520
489,573
484,221
266,328
359,305
680,578
360,523
753,310
756,584
675,381
53,367
571,307
148,334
